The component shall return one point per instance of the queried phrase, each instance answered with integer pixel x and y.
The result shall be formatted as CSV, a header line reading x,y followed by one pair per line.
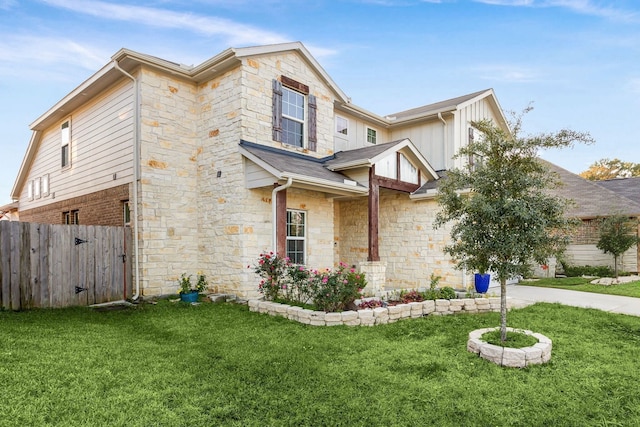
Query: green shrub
x,y
588,270
329,290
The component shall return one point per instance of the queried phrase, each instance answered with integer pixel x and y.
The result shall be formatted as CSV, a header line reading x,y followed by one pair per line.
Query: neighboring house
x,y
593,200
255,149
9,212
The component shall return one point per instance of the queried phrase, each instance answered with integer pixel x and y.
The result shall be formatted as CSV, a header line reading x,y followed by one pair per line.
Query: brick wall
x,y
103,207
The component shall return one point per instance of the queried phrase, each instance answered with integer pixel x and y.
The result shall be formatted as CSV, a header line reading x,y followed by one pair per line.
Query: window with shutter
x,y
294,114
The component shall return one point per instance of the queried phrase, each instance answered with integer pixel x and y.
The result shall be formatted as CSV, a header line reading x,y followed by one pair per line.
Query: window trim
x,y
303,238
368,128
45,185
303,122
339,133
30,190
65,144
37,193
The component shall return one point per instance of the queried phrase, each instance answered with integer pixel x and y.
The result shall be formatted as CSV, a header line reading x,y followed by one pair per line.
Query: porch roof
x,y
306,169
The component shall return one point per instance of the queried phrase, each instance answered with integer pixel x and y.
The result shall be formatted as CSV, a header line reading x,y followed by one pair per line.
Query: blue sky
x,y
577,61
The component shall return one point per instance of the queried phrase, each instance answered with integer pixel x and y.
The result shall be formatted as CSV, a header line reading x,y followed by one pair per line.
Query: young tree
x,y
617,235
503,215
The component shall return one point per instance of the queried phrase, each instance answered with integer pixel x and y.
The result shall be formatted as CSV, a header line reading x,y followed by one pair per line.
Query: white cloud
x,y
585,7
42,50
7,4
235,33
507,73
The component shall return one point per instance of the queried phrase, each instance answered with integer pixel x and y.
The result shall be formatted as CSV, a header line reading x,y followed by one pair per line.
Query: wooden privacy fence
x,y
53,265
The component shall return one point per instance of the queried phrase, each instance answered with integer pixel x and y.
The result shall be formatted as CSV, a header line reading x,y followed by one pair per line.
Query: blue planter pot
x,y
190,297
481,282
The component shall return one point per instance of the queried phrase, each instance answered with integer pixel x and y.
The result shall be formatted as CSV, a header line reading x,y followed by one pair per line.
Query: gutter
x,y
274,211
136,174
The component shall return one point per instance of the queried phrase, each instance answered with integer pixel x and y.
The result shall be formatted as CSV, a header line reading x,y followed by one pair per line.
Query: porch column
x,y
375,274
374,205
281,222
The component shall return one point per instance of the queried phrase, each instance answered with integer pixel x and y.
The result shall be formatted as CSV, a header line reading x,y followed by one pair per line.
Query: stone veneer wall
x,y
377,316
168,209
409,245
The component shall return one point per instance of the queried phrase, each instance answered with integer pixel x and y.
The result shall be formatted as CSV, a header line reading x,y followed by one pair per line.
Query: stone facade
x,y
409,245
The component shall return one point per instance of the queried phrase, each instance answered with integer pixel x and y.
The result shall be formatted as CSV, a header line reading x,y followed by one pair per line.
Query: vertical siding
x,y
429,137
101,145
357,134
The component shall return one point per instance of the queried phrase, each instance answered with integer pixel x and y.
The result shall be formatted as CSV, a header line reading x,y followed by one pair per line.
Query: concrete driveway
x,y
522,295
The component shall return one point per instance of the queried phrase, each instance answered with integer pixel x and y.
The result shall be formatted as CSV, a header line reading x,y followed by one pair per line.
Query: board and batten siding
x,y
474,111
357,134
432,138
101,146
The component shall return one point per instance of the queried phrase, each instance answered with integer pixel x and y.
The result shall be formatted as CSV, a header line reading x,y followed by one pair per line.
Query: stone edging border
x,y
377,316
510,357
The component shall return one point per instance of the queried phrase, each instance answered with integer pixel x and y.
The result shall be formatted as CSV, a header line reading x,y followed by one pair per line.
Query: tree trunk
x,y
503,309
615,266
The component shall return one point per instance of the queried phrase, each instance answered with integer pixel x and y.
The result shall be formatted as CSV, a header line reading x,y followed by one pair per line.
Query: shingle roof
x,y
299,164
590,199
448,104
626,187
364,153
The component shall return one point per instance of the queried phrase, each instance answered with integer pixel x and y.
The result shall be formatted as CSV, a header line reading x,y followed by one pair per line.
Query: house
x,y
9,212
255,149
591,201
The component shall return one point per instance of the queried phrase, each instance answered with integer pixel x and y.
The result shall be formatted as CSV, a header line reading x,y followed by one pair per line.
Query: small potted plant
x,y
187,292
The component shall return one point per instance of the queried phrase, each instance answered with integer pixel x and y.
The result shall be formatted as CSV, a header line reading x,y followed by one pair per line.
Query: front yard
x,y
631,289
178,365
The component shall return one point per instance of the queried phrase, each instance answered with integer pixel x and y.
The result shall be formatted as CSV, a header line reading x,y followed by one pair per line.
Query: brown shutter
x,y
313,140
277,111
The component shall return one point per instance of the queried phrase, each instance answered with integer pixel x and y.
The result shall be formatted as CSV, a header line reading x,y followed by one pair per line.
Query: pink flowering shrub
x,y
329,290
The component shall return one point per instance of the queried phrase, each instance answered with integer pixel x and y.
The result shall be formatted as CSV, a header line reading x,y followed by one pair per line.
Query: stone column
x,y
375,274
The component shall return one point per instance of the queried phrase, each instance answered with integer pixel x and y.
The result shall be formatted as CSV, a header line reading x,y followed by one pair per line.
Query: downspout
x,y
444,155
274,211
136,173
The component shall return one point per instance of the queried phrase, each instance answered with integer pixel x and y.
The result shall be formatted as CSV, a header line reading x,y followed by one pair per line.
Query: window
x,y
45,185
71,217
372,136
296,236
126,213
292,117
30,190
474,136
342,126
65,138
36,188
294,114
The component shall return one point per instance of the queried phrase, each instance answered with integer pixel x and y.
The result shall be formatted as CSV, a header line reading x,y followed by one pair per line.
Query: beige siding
x,y
357,133
579,255
475,111
101,146
432,138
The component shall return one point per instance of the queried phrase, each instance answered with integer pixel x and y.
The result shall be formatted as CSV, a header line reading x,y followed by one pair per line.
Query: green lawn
x,y
631,289
208,365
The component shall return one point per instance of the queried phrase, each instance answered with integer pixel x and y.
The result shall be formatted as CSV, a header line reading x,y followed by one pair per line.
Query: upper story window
x,y
294,114
65,142
372,136
292,117
36,188
30,190
474,136
342,126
